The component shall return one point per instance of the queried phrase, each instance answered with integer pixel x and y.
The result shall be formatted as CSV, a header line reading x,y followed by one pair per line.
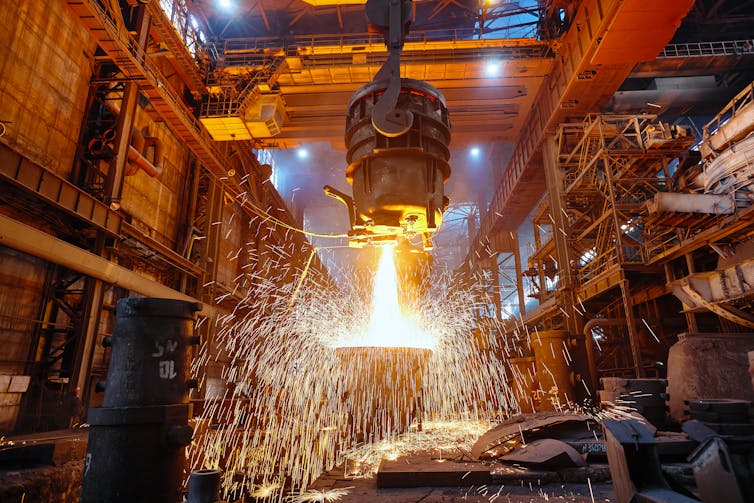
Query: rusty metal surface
x,y
635,464
714,472
422,472
528,427
546,452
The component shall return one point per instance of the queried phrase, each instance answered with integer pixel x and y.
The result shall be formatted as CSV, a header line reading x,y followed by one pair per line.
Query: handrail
x,y
701,49
186,42
133,62
350,39
232,99
730,110
178,14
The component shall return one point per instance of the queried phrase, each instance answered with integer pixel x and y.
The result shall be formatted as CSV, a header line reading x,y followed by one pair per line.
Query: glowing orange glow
x,y
389,325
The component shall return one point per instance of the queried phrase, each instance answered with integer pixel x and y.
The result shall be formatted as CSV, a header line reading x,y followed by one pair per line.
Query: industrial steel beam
x,y
120,46
55,191
179,56
606,39
27,239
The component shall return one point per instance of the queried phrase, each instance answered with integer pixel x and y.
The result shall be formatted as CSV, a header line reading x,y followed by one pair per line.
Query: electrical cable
x,y
267,217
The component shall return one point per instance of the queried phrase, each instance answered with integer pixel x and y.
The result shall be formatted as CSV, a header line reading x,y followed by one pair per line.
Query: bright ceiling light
x,y
475,151
302,153
492,69
225,4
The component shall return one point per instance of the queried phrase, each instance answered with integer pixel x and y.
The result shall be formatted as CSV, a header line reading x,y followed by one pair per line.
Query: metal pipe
x,y
139,161
204,486
29,240
589,343
157,150
136,158
713,204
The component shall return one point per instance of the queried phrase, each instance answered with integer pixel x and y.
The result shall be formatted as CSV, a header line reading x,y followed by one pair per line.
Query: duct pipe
x,y
157,151
588,326
139,161
136,159
29,240
713,204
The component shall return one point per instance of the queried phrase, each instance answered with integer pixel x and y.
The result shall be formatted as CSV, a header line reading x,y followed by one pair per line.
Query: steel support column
x,y
519,276
496,298
124,125
566,292
633,336
625,289
560,233
690,316
94,289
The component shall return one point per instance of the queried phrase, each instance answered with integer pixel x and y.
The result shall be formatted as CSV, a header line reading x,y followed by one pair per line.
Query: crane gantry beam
x,y
606,39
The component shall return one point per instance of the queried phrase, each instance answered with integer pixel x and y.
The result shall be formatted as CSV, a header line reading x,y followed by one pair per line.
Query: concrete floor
x,y
366,491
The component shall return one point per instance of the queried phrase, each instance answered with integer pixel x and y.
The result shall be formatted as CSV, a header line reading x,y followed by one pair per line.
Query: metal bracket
x,y
393,16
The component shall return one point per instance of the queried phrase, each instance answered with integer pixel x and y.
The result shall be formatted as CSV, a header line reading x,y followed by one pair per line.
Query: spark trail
x,y
293,405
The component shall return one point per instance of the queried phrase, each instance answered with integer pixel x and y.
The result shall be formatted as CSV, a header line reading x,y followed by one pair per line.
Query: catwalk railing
x,y
612,166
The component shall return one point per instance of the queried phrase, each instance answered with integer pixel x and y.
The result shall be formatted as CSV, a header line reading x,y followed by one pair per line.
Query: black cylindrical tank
x,y
148,360
398,181
203,486
136,441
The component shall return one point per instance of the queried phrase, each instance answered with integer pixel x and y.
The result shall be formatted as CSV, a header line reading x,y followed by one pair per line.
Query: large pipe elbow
x,y
157,150
140,162
589,343
602,322
136,159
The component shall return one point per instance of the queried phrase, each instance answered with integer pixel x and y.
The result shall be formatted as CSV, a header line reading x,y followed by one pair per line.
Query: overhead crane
x,y
605,41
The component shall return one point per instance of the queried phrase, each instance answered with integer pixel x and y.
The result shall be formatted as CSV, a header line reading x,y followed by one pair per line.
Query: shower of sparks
x,y
295,388
437,437
319,496
389,325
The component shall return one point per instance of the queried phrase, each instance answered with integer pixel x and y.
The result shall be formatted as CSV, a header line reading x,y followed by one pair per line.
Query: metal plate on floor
x,y
429,472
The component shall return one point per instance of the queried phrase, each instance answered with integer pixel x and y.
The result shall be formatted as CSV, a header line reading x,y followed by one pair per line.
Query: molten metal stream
x,y
389,325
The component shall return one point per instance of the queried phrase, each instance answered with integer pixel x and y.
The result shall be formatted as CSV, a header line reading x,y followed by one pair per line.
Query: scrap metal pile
x,y
631,441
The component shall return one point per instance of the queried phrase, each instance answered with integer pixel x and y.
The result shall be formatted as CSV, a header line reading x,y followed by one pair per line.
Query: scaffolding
x,y
612,167
624,207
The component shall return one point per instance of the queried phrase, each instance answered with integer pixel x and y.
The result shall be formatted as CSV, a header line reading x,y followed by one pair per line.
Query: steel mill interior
x,y
376,250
